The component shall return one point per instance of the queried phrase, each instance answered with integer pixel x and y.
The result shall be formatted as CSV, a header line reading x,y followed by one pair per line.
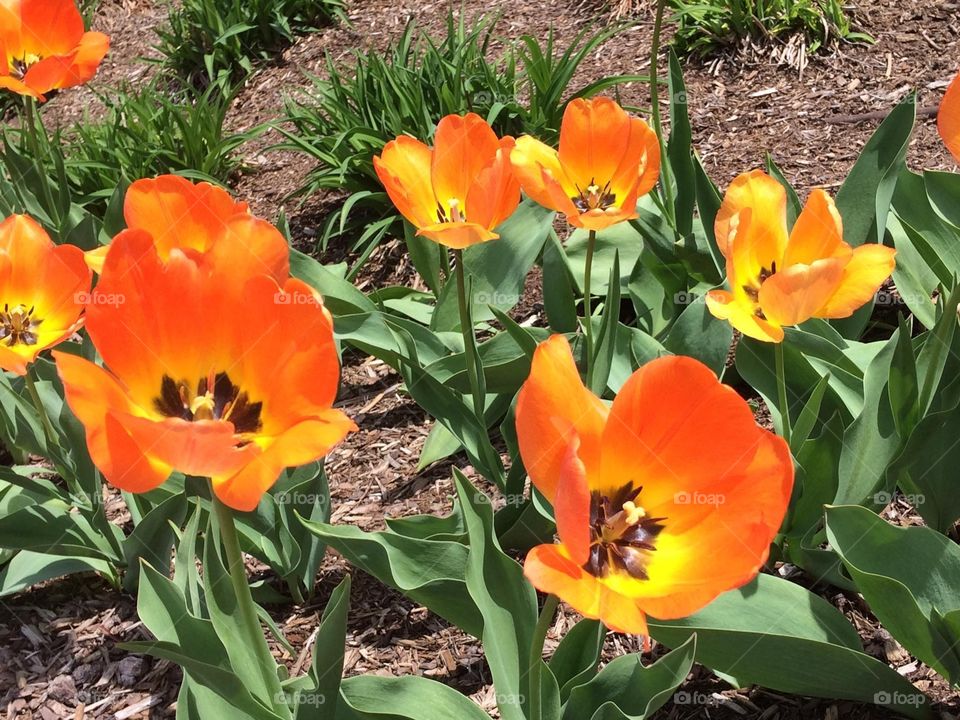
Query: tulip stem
x,y
536,654
782,391
466,328
655,108
48,431
233,558
587,305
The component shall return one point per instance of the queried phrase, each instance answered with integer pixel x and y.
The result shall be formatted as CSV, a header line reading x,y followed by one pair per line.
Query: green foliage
x,y
706,25
218,41
152,131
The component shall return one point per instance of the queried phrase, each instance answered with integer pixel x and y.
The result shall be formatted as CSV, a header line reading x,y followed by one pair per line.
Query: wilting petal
x,y
794,295
404,169
550,569
303,443
553,408
458,235
495,193
864,274
537,167
463,147
948,120
594,138
817,234
767,200
94,396
724,306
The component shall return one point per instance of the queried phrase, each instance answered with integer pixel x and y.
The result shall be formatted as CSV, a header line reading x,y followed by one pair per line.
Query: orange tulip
x,y
234,384
203,221
949,118
43,47
43,289
606,162
778,278
457,192
664,501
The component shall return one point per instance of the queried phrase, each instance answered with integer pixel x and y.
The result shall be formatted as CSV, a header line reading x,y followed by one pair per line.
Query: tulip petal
x,y
57,72
550,570
94,396
249,246
459,235
404,169
767,201
495,193
572,505
817,234
594,139
19,87
869,267
50,27
794,295
553,408
948,120
639,169
537,167
463,147
724,306
303,443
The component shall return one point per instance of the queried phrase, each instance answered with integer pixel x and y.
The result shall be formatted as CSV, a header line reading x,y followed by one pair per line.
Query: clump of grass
x,y
708,25
151,131
350,113
215,41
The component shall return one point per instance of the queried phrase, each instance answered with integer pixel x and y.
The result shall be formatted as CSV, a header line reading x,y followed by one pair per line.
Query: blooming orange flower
x,y
663,501
949,118
457,192
203,221
606,162
43,47
43,288
231,384
779,279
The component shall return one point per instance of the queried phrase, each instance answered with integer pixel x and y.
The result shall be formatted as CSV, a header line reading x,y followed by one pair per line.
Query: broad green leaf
x,y
368,697
575,660
27,568
700,335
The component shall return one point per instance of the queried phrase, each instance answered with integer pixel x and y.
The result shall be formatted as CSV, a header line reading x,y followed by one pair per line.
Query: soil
x,y
59,654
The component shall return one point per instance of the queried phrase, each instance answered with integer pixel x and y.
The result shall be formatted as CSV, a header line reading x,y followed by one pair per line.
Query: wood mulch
x,y
59,655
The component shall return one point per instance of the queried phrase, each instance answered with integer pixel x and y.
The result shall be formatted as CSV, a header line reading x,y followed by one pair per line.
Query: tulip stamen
x,y
622,534
215,398
455,214
18,326
594,197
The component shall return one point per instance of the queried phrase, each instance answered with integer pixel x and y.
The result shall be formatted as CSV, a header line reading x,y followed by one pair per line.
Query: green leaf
x,y
778,634
368,697
700,335
52,529
152,539
575,660
906,575
339,295
626,690
559,297
605,341
507,602
26,569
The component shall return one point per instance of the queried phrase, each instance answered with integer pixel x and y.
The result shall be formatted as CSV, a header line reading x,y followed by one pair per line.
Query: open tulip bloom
x,y
779,278
948,120
208,372
43,47
43,289
664,501
457,192
607,160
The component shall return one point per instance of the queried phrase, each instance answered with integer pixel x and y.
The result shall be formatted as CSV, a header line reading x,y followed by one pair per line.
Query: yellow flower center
x,y
18,326
451,213
622,534
215,397
19,65
594,197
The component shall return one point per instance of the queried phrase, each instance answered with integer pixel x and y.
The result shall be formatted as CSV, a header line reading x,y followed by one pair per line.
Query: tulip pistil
x,y
451,214
622,534
215,398
18,326
594,197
